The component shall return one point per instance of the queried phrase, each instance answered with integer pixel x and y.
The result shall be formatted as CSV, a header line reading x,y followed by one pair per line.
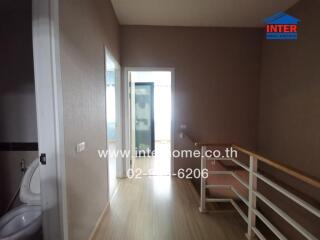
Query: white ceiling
x,y
218,13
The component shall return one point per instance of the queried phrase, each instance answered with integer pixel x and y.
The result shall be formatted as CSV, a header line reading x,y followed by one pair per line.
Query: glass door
x,y
144,118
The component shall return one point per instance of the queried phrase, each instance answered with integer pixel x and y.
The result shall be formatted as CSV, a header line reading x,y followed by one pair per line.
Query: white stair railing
x,y
203,197
254,194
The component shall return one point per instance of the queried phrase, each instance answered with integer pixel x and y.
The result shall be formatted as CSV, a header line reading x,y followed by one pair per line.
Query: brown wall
x,y
86,27
289,108
17,95
216,78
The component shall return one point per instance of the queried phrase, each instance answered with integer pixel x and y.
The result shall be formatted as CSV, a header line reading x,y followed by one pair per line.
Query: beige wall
x,y
289,108
216,78
86,27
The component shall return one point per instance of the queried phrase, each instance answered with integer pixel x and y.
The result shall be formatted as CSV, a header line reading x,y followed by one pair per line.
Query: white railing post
x,y
202,207
252,197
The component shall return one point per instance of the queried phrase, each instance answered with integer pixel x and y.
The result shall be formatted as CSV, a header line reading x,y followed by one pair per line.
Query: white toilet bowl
x,y
21,223
24,222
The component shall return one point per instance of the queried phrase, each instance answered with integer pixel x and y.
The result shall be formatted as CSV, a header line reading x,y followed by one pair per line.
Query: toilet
x,y
24,222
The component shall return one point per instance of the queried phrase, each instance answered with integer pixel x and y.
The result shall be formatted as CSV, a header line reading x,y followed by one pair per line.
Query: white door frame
x,y
120,163
48,89
127,134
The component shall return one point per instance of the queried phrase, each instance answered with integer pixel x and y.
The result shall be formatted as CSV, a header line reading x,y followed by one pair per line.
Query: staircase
x,y
240,177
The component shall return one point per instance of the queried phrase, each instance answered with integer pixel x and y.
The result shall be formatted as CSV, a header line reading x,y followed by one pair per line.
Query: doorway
x,y
113,121
150,113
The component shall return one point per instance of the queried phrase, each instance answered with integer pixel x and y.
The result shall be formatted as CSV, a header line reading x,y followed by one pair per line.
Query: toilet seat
x,y
30,186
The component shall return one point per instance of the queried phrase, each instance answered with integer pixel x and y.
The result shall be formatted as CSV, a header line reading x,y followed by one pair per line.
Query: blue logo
x,y
281,26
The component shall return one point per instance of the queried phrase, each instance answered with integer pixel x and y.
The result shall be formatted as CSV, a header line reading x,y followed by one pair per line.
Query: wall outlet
x,y
81,147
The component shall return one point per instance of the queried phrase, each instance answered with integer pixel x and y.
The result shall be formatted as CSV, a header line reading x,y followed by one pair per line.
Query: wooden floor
x,y
164,208
159,164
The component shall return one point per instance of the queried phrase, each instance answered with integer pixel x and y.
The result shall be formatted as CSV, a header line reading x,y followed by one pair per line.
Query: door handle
x,y
43,159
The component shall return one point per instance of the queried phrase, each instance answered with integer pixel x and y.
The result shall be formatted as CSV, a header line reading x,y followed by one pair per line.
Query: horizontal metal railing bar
x,y
218,199
236,206
286,217
241,165
288,194
269,225
258,233
283,168
240,196
240,180
218,186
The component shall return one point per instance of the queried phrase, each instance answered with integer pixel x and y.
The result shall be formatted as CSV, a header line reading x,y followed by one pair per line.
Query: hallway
x,y
157,165
164,208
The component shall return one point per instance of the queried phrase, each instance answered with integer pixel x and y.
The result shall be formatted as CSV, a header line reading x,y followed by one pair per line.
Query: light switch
x,y
81,147
183,126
